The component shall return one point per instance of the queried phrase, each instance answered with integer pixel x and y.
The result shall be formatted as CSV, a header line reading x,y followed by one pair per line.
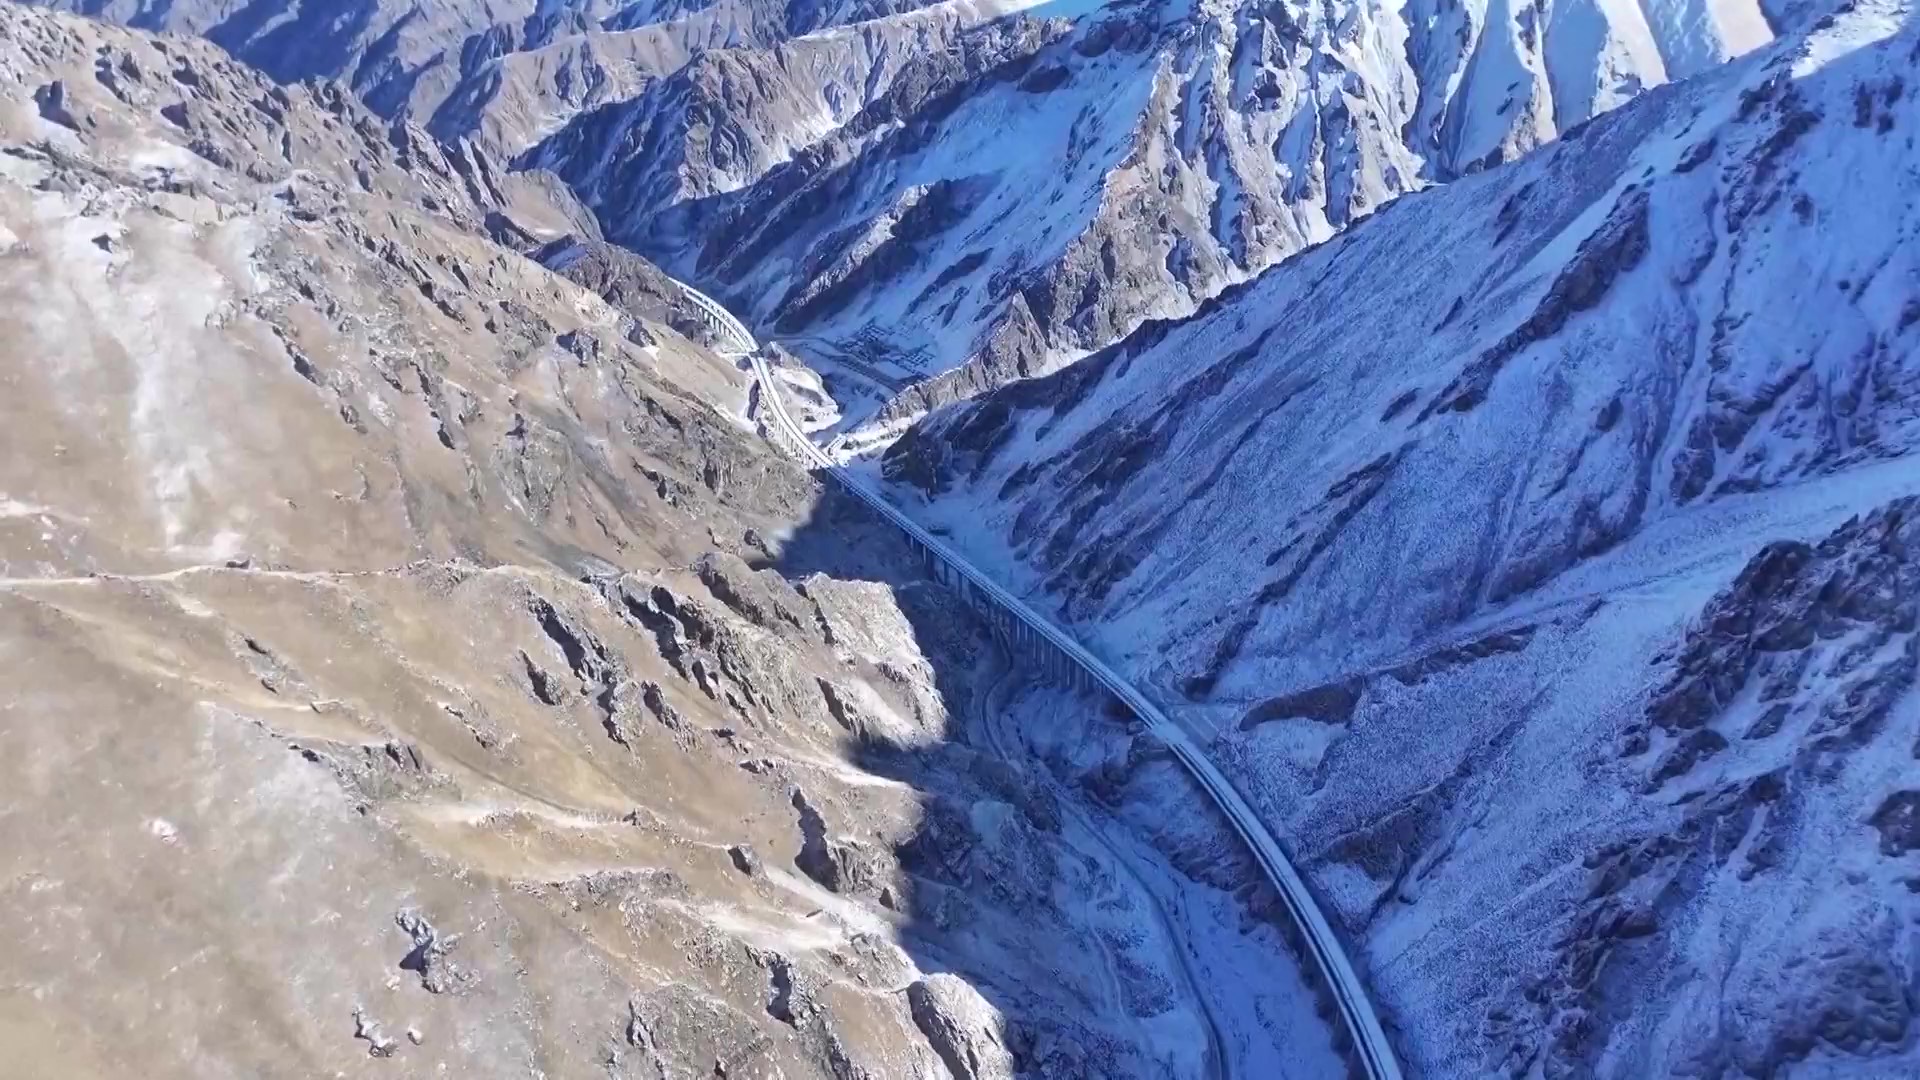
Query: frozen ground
x,y
1223,997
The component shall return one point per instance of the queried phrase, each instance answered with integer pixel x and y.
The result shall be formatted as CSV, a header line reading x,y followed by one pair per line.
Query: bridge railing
x,y
738,339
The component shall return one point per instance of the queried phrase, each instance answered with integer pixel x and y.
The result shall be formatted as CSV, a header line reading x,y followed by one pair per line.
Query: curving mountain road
x,y
1370,1045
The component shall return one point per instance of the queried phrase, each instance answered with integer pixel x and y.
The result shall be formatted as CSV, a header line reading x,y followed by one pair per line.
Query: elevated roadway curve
x,y
1058,652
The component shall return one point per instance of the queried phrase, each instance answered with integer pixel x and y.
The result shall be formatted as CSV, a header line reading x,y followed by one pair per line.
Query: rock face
x,y
964,1030
1776,739
412,654
625,280
1538,552
507,72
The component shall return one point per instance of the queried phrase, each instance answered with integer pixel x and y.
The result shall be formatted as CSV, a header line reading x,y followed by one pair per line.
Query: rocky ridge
x,y
507,73
1020,192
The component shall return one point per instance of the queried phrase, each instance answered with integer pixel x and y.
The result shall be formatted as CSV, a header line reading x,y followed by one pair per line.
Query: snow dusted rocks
x,y
1536,551
507,73
1625,280
953,200
1778,737
1838,616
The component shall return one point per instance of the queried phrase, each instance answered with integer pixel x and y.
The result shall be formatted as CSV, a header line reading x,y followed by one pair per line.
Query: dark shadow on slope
x,y
962,913
952,920
846,541
297,49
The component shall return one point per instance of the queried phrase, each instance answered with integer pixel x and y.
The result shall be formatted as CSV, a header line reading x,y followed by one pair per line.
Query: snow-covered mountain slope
x,y
1541,550
927,195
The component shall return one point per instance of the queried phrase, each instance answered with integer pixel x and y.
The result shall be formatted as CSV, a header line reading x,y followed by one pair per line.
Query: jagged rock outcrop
x,y
1779,723
1003,196
627,281
964,1030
